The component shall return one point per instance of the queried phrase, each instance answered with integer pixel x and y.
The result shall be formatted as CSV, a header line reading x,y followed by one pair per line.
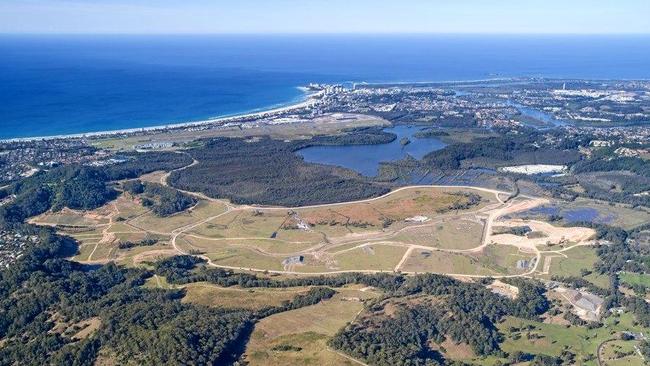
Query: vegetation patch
x,y
161,200
268,172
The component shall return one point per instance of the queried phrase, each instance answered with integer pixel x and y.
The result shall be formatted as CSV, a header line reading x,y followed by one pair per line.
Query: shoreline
x,y
307,99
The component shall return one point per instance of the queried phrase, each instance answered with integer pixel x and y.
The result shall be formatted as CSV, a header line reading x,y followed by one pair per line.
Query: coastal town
x,y
325,182
504,105
522,180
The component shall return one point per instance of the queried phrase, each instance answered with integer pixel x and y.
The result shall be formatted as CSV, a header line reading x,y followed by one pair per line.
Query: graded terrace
x,y
377,229
460,231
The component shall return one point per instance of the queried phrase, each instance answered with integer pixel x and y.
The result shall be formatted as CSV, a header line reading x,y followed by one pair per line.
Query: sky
x,y
325,16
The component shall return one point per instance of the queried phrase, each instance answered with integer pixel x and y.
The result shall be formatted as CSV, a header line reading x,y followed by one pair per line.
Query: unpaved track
x,y
164,181
406,256
493,213
489,214
107,237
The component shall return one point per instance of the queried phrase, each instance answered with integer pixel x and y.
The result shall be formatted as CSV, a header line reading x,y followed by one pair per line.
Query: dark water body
x,y
70,84
365,159
586,214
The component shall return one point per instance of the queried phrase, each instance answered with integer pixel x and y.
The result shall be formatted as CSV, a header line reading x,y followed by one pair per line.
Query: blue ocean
x,y
51,85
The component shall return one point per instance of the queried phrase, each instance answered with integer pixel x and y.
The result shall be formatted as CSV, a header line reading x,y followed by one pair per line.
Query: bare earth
x,y
381,234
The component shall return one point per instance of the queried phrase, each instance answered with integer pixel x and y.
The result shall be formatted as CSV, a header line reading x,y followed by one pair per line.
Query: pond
x,y
365,159
573,215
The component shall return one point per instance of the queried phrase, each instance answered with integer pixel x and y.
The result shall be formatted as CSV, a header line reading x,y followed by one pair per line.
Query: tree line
x,y
403,339
137,324
81,187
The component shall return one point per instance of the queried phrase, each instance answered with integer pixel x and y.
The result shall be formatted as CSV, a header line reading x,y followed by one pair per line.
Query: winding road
x,y
488,214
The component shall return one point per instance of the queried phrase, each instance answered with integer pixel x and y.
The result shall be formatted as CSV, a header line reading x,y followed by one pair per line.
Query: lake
x,y
365,159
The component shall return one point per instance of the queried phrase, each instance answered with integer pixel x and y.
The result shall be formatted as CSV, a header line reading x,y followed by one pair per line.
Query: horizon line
x,y
321,34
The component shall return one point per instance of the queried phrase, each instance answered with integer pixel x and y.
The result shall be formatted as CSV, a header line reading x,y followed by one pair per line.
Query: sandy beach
x,y
308,100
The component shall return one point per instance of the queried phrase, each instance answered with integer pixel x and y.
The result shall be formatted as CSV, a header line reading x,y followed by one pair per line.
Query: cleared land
x,y
635,279
291,129
258,298
617,352
447,230
552,339
306,331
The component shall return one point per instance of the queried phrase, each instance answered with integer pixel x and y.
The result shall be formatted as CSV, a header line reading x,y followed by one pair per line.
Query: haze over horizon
x,y
316,16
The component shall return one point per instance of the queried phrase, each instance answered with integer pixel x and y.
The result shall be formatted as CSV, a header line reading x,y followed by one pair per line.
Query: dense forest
x,y
162,200
45,298
466,312
619,179
463,312
506,149
430,133
607,164
358,136
44,295
268,172
81,187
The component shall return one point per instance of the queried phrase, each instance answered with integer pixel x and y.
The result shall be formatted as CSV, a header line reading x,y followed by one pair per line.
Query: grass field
x,y
245,258
158,282
619,353
211,295
449,234
494,260
105,252
121,227
241,224
370,235
84,234
69,218
153,223
308,329
579,258
337,220
635,279
128,257
396,207
552,339
422,261
262,238
265,245
503,259
373,257
84,251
